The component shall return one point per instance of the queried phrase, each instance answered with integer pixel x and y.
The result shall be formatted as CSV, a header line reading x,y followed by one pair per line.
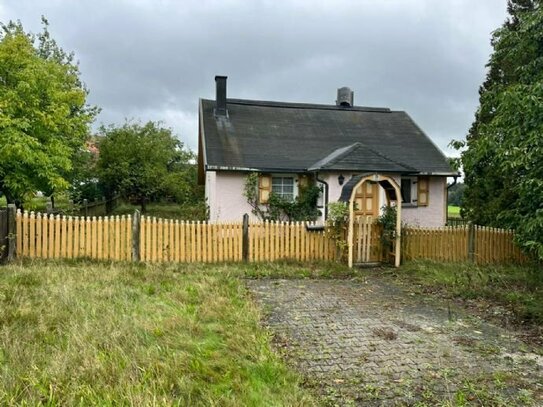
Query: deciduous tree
x,y
146,162
503,162
44,117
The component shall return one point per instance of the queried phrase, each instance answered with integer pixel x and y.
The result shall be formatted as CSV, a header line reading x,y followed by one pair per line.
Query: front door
x,y
367,199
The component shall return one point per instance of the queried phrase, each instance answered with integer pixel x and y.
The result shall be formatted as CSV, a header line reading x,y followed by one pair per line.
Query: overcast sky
x,y
153,59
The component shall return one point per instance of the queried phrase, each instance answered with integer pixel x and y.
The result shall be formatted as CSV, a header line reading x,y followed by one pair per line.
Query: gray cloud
x,y
150,59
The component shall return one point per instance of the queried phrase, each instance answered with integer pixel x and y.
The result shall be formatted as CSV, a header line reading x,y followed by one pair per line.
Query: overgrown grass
x,y
122,334
520,288
165,210
39,203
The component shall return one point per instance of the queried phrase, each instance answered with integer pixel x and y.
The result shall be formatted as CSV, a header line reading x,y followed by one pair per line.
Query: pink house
x,y
290,144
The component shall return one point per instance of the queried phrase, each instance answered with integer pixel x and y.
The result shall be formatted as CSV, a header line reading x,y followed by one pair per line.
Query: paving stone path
x,y
370,342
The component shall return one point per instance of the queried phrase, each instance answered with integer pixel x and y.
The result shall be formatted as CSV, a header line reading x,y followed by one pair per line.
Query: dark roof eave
x,y
361,170
439,173
414,172
249,169
303,170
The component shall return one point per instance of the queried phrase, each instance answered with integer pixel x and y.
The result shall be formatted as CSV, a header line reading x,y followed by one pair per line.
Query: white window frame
x,y
414,191
294,183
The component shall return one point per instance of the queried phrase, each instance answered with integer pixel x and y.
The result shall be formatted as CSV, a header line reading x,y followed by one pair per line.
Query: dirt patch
x,y
385,333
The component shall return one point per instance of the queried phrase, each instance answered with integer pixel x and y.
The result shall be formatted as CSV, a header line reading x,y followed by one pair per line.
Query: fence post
x,y
136,224
86,205
12,231
245,241
471,242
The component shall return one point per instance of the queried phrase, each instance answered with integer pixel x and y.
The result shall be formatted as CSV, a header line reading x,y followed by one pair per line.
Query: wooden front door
x,y
367,199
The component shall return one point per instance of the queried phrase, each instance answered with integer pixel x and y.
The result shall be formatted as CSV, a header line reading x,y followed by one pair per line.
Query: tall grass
x,y
166,210
518,287
103,334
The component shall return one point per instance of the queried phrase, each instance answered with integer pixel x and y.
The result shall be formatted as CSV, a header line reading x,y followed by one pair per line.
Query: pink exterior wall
x,y
435,213
430,216
224,194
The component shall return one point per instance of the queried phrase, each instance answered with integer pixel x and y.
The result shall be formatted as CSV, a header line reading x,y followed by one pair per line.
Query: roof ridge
x,y
390,159
348,150
331,159
334,156
299,105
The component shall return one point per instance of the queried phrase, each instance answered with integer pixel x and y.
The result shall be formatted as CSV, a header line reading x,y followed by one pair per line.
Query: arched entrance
x,y
392,193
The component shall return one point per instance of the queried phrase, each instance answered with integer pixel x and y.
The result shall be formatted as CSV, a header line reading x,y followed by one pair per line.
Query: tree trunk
x,y
10,199
143,205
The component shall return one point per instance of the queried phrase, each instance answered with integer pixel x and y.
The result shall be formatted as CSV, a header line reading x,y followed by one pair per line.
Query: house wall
x,y
432,215
334,189
224,194
210,186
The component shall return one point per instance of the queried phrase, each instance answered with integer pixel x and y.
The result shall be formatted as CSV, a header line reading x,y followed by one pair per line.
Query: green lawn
x,y
454,211
102,334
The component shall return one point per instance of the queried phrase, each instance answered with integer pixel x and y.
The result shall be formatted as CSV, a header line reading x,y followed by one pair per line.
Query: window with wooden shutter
x,y
423,185
283,187
264,188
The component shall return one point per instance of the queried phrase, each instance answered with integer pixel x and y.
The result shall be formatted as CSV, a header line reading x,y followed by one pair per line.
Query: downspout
x,y
325,194
453,184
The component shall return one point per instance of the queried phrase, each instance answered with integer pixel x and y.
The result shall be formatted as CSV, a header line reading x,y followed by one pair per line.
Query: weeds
x,y
519,288
104,334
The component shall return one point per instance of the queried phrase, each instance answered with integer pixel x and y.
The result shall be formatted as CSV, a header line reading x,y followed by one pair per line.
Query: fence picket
x,y
38,235
32,235
44,236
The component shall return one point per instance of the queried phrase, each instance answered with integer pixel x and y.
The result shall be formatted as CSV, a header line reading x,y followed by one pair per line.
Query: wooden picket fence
x,y
480,244
68,237
166,240
270,241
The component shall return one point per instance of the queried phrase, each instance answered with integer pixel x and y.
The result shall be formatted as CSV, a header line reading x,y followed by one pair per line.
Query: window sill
x,y
409,205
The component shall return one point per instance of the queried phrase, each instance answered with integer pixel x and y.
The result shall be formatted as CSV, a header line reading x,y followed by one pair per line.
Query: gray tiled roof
x,y
275,136
359,157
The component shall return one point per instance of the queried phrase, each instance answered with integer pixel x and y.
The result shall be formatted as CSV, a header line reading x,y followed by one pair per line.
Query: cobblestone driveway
x,y
369,342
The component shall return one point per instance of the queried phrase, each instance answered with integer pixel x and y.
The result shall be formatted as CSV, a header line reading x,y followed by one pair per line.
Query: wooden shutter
x,y
423,185
264,188
303,181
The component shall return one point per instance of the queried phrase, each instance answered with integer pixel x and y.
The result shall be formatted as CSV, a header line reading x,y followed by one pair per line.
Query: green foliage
x,y
147,163
456,194
387,220
336,226
303,208
44,118
250,191
503,163
84,183
167,210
